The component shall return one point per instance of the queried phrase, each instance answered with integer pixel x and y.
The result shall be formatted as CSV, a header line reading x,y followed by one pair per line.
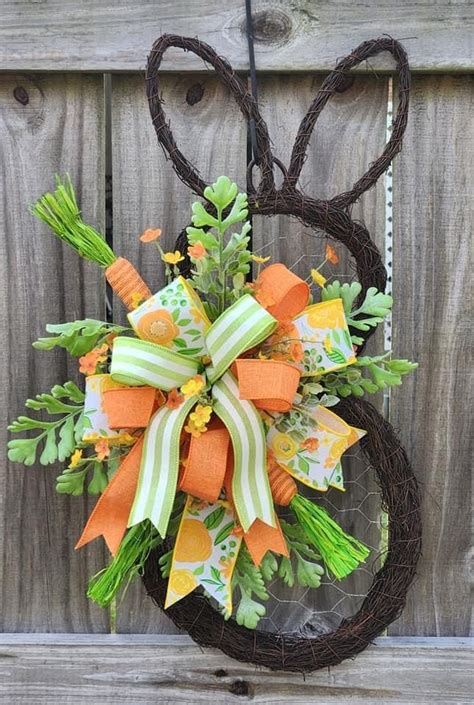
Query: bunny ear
x,y
245,101
333,84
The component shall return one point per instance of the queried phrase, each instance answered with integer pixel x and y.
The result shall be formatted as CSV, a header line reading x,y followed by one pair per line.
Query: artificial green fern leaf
x,y
24,450
77,337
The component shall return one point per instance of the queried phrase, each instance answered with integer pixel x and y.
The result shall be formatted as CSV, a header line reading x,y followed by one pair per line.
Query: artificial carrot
x,y
60,211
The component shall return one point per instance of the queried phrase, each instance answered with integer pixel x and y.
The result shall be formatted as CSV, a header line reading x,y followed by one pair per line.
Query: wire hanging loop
x,y
253,79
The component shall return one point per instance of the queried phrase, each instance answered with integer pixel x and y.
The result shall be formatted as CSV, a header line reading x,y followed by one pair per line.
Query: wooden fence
x,y
72,100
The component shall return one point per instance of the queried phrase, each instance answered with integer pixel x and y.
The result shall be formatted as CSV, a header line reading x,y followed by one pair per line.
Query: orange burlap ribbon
x,y
289,294
131,407
269,384
110,515
204,471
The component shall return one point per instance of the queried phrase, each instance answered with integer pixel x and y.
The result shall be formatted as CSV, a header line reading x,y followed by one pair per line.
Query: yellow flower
x,y
201,415
283,445
318,278
193,430
172,257
136,299
259,260
75,458
327,344
193,386
182,581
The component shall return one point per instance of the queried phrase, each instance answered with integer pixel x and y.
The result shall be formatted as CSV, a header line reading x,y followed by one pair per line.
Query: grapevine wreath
x,y
227,398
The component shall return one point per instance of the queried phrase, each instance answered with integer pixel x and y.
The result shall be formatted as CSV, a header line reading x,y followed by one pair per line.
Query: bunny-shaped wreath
x,y
399,491
205,412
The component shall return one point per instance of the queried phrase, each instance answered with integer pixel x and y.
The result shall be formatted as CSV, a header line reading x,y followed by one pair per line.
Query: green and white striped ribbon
x,y
159,467
250,487
239,328
137,362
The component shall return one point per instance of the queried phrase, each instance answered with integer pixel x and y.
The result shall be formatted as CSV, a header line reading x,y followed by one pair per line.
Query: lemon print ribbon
x,y
205,552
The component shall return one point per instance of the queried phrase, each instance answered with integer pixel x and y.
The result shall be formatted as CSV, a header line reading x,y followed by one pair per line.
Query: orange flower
x,y
331,255
296,351
158,327
101,352
175,399
102,449
197,251
310,444
88,363
150,234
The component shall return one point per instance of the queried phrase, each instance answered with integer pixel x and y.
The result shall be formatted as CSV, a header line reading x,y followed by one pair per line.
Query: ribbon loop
x,y
289,293
269,384
242,326
138,362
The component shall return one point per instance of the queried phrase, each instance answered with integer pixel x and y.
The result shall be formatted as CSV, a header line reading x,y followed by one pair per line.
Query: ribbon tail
x,y
250,486
159,467
262,538
110,514
205,552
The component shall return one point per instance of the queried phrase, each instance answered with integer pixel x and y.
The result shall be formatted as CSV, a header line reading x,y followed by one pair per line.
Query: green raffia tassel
x,y
126,565
60,211
340,552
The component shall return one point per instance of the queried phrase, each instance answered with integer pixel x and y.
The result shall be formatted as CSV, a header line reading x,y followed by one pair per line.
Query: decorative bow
x,y
234,449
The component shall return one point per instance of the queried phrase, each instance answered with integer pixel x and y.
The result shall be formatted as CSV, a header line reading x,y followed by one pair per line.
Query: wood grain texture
x,y
145,670
348,137
433,202
48,125
147,193
302,35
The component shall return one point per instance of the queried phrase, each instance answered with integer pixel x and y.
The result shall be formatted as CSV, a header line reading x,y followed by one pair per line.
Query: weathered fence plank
x,y
48,125
296,36
433,205
145,670
212,134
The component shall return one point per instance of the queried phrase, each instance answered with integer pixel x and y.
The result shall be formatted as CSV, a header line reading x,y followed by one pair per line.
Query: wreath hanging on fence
x,y
228,397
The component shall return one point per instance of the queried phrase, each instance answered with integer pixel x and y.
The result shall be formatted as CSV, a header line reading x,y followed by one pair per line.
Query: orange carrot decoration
x,y
127,283
60,211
